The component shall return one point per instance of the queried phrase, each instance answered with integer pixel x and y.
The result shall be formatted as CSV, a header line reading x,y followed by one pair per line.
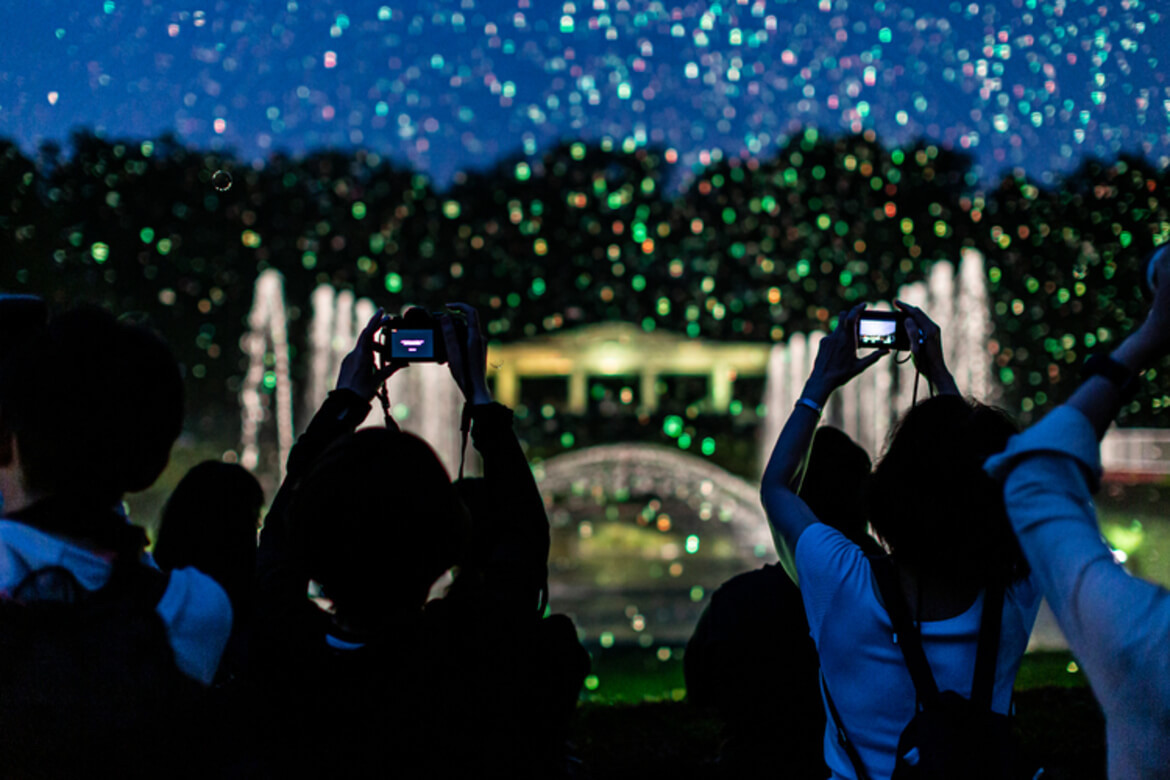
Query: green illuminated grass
x,y
625,674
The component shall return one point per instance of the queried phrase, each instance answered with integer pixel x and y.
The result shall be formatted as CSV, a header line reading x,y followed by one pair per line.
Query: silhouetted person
x,y
210,523
475,683
751,657
99,653
950,546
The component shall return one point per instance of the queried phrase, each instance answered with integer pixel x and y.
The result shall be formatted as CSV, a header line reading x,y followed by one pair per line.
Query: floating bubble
x,y
222,181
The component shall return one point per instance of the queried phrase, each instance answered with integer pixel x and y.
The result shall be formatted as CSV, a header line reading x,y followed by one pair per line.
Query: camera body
x,y
417,336
882,330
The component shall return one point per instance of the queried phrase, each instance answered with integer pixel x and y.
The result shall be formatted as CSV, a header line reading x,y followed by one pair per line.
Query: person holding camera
x,y
949,543
1117,625
380,679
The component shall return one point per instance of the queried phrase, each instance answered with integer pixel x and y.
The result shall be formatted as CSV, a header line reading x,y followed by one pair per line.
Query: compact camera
x,y
882,330
417,336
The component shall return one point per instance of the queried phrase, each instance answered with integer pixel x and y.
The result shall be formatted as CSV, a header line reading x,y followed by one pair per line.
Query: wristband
x,y
1119,376
811,404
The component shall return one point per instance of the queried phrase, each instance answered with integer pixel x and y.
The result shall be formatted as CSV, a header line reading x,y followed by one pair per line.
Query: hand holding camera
x,y
359,372
451,336
415,337
467,352
837,361
925,339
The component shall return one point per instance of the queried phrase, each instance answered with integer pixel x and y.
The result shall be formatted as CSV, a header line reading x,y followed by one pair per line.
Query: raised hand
x,y
837,361
467,356
358,371
926,349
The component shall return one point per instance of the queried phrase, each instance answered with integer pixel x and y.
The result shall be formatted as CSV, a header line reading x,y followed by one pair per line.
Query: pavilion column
x,y
578,392
648,390
720,388
507,390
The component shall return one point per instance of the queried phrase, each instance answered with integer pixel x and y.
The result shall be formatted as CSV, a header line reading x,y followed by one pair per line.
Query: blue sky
x,y
451,85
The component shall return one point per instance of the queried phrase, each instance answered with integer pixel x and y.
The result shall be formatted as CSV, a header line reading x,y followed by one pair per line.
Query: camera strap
x,y
384,398
464,430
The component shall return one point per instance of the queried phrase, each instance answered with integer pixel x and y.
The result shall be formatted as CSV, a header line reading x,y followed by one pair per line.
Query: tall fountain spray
x,y
337,319
867,407
268,328
425,400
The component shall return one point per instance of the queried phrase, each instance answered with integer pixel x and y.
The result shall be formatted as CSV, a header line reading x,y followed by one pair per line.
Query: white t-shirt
x,y
863,668
194,608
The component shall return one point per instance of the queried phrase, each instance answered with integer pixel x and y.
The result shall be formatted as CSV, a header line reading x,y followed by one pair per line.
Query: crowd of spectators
x,y
321,648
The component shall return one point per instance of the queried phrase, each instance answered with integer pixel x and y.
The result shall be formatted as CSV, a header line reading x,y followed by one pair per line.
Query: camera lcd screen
x,y
412,344
882,330
877,333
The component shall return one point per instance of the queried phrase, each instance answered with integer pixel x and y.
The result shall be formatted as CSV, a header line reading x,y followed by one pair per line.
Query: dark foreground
x,y
1060,729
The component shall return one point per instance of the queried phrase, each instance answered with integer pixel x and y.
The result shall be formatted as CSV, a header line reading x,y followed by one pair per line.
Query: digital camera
x,y
417,336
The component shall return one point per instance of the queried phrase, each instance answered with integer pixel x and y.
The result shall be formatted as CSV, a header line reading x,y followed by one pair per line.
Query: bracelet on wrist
x,y
811,404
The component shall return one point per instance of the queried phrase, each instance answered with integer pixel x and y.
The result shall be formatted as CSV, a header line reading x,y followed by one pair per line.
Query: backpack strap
x,y
139,583
906,633
983,684
842,737
909,638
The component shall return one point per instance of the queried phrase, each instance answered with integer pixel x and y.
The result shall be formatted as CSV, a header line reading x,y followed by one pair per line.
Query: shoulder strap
x,y
842,737
141,584
906,633
909,638
983,685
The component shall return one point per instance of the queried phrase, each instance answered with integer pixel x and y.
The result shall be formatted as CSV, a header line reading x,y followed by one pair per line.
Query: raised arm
x,y
1117,625
283,615
343,411
836,363
509,565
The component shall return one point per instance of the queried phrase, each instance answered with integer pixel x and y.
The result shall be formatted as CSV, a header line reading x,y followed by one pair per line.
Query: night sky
x,y
451,85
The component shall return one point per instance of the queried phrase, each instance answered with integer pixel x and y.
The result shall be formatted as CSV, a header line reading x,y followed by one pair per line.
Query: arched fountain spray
x,y
641,533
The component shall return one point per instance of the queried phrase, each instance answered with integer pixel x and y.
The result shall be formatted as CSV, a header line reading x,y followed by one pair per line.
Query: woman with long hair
x,y
942,521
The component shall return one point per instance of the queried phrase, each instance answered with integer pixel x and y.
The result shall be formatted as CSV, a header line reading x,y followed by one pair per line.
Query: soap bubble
x,y
222,181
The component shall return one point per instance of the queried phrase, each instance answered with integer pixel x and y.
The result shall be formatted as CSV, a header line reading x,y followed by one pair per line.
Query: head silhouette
x,y
931,501
378,521
835,482
209,522
93,406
